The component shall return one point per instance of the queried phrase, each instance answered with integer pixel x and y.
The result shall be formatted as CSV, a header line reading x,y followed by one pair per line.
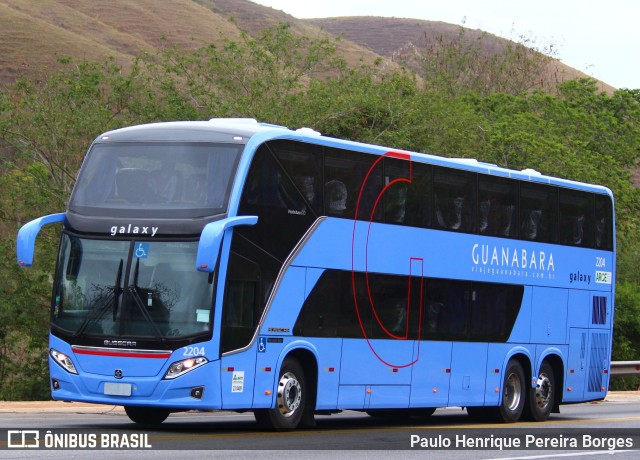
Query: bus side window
x,y
496,206
391,303
447,309
241,308
488,311
264,184
407,203
454,197
603,223
302,162
348,177
494,309
329,310
283,214
538,205
576,217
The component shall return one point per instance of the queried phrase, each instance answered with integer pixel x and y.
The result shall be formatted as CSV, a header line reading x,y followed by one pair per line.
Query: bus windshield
x,y
151,179
107,288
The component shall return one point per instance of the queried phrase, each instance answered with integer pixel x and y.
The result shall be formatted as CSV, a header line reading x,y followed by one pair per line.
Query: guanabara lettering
x,y
504,256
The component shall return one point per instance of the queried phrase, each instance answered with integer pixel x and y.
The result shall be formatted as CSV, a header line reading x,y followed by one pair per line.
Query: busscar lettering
x,y
120,343
133,230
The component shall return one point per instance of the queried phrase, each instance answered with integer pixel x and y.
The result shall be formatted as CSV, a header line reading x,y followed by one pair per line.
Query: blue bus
x,y
235,265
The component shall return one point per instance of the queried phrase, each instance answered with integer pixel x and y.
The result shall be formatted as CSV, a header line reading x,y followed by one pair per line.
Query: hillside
x,y
391,37
34,32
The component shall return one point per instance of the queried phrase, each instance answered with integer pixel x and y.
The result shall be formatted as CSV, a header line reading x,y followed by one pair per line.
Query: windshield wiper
x,y
111,300
117,291
133,291
96,314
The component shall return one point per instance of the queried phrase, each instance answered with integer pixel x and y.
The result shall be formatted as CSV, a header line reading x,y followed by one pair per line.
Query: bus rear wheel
x,y
147,415
542,398
290,399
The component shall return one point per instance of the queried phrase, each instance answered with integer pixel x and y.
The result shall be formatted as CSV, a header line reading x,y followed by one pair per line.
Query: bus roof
x,y
241,130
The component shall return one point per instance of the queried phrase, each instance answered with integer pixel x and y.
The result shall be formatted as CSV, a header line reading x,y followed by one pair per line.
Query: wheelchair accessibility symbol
x,y
141,251
262,344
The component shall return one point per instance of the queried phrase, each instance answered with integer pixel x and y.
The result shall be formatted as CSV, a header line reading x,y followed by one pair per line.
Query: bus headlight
x,y
63,360
182,367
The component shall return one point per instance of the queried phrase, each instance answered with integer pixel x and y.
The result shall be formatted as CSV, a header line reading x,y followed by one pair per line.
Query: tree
x,y
253,77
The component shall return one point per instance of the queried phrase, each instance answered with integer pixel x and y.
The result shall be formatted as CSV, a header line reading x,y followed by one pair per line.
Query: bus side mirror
x,y
27,237
211,239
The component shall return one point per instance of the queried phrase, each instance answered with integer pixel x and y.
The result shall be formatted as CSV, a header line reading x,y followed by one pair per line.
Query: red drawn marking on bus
x,y
408,180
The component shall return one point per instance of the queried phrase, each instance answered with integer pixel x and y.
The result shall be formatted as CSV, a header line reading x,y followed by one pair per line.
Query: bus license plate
x,y
117,389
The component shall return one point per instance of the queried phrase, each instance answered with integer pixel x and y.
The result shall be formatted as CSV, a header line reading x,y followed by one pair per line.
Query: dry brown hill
x,y
34,32
391,36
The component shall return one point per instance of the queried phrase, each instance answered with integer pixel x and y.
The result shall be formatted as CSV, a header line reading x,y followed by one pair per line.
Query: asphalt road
x,y
351,435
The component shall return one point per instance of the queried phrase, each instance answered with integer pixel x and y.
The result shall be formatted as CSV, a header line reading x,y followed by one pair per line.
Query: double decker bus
x,y
234,265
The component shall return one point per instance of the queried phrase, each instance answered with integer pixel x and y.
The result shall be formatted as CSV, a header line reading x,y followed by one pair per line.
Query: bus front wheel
x,y
541,399
147,415
513,394
290,399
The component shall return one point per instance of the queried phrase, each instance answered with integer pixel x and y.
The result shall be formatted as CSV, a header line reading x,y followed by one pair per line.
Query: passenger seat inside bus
x,y
132,185
336,193
166,184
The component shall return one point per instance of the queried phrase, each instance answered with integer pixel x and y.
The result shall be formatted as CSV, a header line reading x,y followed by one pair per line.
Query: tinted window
x,y
407,203
454,199
283,213
603,238
395,300
146,179
447,309
576,218
345,173
538,204
497,210
242,305
329,310
494,309
409,308
303,165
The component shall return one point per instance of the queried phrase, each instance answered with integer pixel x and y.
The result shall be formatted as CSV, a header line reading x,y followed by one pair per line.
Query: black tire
x,y
290,399
147,415
513,395
542,398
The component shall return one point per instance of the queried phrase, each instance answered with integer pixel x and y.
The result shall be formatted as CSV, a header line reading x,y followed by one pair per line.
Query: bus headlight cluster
x,y
63,360
182,367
